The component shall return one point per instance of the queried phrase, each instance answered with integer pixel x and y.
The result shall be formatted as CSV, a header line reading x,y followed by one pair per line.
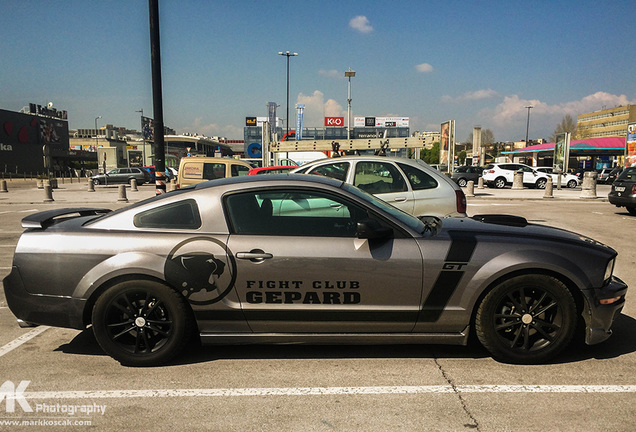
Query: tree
x,y
430,156
567,125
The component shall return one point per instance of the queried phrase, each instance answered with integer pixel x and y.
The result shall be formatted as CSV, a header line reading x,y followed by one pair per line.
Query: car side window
x,y
213,171
378,178
239,170
337,170
180,215
292,213
418,179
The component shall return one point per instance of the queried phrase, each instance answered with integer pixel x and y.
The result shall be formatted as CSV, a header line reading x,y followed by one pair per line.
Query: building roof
x,y
590,144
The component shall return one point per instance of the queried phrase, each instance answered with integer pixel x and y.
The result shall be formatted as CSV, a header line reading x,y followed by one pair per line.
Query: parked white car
x,y
408,184
568,180
501,174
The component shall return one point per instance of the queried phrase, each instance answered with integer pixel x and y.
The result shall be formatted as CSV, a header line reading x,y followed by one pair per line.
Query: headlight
x,y
609,270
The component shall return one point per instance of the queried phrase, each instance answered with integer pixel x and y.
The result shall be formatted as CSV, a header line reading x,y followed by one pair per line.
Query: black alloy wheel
x,y
141,322
528,319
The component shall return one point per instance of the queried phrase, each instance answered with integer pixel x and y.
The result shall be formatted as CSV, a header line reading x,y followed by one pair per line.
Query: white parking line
x,y
327,391
22,339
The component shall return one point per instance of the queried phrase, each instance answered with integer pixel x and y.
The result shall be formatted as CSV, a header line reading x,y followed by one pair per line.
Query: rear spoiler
x,y
45,218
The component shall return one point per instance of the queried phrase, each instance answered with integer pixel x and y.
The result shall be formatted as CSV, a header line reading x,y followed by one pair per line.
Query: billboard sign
x,y
359,121
300,114
334,121
250,121
561,153
446,148
630,145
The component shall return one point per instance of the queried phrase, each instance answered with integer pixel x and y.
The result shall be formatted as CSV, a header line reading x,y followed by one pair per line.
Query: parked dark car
x,y
463,174
608,175
623,193
122,175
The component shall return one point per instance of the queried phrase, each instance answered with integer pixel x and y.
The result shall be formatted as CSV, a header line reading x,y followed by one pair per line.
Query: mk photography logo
x,y
12,395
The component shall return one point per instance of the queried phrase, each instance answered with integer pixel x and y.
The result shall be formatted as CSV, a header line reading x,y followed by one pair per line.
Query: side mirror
x,y
372,229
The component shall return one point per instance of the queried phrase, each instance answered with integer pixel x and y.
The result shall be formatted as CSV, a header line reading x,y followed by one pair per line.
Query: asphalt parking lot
x,y
70,384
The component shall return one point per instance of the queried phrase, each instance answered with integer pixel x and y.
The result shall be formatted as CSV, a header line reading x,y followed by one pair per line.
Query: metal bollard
x,y
48,191
549,188
470,188
3,186
122,193
480,183
517,181
91,185
588,189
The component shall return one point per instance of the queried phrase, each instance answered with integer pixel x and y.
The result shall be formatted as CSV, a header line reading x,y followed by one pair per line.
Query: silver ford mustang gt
x,y
306,259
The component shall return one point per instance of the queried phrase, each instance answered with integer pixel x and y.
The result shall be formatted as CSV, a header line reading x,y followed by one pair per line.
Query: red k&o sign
x,y
334,121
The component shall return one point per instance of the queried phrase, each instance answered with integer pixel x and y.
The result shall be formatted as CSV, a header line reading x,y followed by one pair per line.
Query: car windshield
x,y
407,219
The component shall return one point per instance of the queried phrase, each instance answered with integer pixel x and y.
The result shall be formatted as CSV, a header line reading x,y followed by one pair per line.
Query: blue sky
x,y
476,62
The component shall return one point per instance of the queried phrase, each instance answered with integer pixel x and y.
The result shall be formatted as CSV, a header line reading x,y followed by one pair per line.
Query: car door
x,y
386,181
300,267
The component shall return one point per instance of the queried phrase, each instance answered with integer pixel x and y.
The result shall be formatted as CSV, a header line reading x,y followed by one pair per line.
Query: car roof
x,y
270,178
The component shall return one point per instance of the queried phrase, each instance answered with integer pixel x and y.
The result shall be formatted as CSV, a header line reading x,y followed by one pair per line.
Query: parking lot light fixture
x,y
288,55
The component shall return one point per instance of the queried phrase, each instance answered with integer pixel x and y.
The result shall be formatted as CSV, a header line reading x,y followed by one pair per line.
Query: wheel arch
x,y
570,284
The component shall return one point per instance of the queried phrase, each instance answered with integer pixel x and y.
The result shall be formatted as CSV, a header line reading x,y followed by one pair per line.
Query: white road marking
x,y
22,339
327,391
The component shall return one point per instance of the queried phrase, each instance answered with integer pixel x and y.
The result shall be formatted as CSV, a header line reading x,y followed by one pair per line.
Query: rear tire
x,y
500,183
528,319
540,184
462,182
141,322
572,184
632,210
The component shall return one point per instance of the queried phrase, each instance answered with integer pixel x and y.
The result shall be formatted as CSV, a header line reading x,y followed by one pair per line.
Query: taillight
x,y
634,189
460,198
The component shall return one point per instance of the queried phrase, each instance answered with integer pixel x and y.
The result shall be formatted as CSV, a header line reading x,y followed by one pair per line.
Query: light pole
x,y
143,136
349,74
97,139
529,107
288,55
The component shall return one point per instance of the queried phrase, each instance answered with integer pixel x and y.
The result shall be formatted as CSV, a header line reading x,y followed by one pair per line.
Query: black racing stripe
x,y
461,251
442,291
462,247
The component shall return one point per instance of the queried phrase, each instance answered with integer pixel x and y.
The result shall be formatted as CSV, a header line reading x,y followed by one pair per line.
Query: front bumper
x,y
598,317
56,311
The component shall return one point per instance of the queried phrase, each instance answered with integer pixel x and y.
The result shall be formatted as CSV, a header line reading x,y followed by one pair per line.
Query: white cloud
x,y
361,24
316,108
424,68
511,115
471,96
331,73
214,129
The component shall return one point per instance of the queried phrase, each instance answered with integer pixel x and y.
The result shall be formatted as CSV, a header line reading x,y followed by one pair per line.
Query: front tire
x,y
141,322
527,319
96,182
462,182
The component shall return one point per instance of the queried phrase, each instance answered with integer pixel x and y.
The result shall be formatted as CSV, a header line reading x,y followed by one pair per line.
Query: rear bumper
x,y
622,201
599,318
40,309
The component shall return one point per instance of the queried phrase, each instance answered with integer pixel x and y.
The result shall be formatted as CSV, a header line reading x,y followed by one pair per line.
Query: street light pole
x,y
97,139
349,74
143,136
529,107
288,55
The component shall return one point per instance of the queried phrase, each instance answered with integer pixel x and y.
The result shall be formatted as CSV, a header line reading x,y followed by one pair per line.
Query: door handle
x,y
400,199
254,255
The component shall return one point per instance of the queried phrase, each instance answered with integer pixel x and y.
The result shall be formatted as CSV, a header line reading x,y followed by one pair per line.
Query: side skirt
x,y
335,338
